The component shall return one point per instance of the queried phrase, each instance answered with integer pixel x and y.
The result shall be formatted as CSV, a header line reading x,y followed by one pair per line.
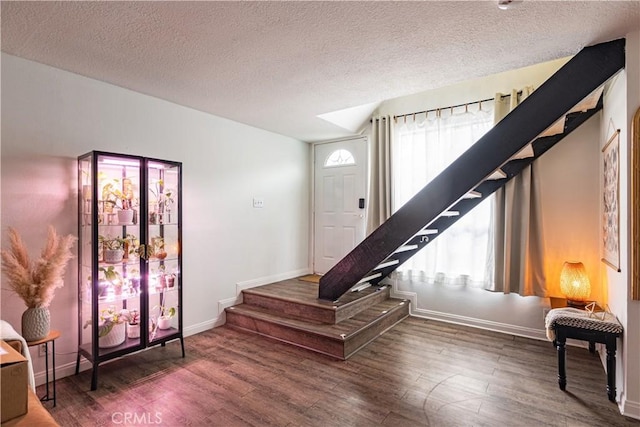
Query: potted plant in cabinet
x,y
111,280
112,249
122,200
133,327
111,327
165,316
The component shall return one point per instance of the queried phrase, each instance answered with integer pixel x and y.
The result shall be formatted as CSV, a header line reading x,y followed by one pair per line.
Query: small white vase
x,y
133,331
164,322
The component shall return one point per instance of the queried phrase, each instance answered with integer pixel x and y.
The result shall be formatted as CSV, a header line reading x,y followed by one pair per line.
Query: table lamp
x,y
574,284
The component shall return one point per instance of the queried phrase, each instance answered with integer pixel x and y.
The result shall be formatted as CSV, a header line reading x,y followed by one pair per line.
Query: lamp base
x,y
576,304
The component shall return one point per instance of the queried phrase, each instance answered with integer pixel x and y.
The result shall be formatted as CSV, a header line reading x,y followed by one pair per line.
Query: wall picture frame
x,y
635,207
611,202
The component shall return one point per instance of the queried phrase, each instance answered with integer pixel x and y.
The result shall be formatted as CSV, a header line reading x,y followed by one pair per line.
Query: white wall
x,y
631,400
570,206
472,90
621,102
49,117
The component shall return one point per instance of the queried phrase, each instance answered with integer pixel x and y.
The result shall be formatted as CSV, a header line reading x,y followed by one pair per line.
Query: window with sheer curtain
x,y
421,149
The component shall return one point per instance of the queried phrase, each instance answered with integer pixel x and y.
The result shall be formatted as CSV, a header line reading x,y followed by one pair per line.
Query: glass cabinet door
x,y
163,248
112,268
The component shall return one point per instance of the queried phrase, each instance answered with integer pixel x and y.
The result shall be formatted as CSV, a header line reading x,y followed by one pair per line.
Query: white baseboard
x,y
65,370
201,327
481,324
630,409
627,407
489,325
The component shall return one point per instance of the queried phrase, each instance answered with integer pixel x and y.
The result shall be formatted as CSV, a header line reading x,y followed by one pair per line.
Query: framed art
x,y
635,207
611,202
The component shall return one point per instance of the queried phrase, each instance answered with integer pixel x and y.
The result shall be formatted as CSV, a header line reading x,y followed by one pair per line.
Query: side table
x,y
51,338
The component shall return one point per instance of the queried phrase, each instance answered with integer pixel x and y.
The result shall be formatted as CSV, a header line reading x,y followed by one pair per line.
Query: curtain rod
x,y
443,108
395,118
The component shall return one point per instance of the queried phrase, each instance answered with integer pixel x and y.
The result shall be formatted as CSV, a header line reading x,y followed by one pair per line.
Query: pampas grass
x,y
36,282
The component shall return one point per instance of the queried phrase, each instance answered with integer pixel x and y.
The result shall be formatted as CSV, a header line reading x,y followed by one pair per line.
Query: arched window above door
x,y
340,157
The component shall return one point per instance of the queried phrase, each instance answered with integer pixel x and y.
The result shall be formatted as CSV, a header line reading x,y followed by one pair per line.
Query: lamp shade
x,y
574,283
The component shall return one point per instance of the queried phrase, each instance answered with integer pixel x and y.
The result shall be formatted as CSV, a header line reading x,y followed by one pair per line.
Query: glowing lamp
x,y
574,284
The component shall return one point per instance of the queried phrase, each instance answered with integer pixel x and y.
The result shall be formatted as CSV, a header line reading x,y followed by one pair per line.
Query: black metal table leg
x,y
562,373
611,369
45,398
53,360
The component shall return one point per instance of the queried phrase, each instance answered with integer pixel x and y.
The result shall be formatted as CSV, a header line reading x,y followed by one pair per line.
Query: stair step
x,y
406,248
340,340
426,231
371,277
526,152
361,287
387,264
497,174
472,195
299,299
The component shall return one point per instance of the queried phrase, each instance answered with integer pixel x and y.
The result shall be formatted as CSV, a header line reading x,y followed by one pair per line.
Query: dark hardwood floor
x,y
421,373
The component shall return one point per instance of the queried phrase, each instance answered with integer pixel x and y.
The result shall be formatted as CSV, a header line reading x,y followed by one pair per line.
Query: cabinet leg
x,y
182,345
94,377
562,373
78,364
611,373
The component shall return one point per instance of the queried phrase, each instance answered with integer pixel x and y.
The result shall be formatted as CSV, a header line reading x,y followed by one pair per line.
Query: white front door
x,y
340,185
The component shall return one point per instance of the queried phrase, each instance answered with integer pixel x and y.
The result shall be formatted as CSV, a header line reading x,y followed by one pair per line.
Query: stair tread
x,y
473,194
497,174
388,263
426,231
406,248
301,292
346,327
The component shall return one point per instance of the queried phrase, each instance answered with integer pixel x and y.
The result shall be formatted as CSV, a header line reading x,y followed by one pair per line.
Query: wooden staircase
x,y
351,307
290,311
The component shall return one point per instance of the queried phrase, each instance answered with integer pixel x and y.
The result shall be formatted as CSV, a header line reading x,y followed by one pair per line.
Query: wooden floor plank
x,y
418,374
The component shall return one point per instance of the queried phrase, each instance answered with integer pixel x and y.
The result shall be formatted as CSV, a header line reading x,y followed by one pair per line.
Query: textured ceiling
x,y
278,65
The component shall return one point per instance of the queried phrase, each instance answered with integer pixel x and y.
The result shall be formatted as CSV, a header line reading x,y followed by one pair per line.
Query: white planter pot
x,y
125,216
164,322
133,331
113,255
114,338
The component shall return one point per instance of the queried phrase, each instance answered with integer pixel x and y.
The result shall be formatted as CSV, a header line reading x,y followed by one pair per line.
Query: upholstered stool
x,y
603,327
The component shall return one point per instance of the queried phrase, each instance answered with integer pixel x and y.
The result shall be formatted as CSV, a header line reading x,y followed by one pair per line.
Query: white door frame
x,y
312,216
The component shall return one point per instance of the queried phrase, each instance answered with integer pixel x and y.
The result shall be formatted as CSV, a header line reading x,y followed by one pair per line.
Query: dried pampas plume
x,y
35,282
